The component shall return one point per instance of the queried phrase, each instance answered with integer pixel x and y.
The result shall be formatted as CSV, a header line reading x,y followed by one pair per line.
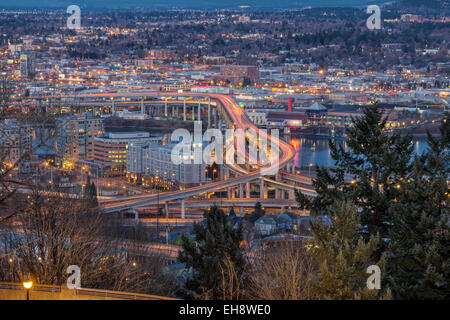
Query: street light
x,y
27,285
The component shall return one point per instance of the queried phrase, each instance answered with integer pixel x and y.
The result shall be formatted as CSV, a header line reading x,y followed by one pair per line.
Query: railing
x,y
119,295
36,287
85,292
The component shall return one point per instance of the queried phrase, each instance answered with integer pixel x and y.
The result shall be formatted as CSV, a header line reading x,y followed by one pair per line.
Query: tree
x,y
15,128
418,258
59,231
375,161
216,246
342,257
281,272
256,214
90,193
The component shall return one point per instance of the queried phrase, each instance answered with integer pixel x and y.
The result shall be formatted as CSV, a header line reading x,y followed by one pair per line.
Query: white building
x,y
147,160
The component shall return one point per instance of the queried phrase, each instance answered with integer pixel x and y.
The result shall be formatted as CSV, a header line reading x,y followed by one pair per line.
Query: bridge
x,y
284,182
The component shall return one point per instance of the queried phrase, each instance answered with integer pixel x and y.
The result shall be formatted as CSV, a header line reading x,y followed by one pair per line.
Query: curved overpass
x,y
239,120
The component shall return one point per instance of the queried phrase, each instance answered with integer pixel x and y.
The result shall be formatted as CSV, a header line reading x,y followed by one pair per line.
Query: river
x,y
316,151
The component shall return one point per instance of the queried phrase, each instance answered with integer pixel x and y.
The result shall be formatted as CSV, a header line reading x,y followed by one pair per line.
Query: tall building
x,y
89,127
75,138
27,65
16,140
152,165
110,150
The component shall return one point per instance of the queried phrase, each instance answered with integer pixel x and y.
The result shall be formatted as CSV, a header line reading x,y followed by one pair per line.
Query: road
x,y
240,121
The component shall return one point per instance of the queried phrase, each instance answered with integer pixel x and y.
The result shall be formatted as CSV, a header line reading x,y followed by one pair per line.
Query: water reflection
x,y
316,151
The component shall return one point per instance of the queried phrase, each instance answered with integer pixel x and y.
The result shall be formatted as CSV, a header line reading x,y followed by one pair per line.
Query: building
x,y
286,119
27,65
151,165
75,138
144,63
16,140
411,17
110,150
238,73
67,140
162,54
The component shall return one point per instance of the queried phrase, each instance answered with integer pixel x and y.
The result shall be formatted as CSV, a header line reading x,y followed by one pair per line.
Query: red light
x,y
295,144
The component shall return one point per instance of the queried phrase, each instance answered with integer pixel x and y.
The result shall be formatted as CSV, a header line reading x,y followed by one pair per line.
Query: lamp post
x,y
310,165
27,285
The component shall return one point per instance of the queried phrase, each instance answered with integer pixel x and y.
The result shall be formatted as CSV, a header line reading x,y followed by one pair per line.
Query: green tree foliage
x,y
418,256
374,161
256,214
90,193
342,257
217,244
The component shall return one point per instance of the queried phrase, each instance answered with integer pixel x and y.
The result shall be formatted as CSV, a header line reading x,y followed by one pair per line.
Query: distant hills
x,y
194,4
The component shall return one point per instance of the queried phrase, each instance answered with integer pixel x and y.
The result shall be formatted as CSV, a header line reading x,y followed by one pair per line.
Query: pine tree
x,y
93,195
217,243
342,257
257,213
418,258
374,160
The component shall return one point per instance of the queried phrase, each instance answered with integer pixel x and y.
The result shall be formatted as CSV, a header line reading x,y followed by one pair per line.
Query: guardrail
x,y
85,292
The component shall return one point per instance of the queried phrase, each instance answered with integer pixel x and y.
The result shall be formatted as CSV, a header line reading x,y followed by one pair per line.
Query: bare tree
x,y
282,271
53,231
21,134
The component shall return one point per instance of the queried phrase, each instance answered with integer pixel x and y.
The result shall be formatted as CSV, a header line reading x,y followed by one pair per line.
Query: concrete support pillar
x,y
261,188
142,106
247,190
193,112
209,112
241,191
166,207
291,194
277,194
229,193
199,112
113,107
184,110
227,173
183,212
136,216
165,109
241,209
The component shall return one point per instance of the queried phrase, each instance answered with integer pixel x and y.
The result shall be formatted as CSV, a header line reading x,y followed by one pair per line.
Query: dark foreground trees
x,y
399,197
53,231
419,250
215,258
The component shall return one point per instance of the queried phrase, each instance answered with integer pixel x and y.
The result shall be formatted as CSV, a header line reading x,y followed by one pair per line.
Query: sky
x,y
184,3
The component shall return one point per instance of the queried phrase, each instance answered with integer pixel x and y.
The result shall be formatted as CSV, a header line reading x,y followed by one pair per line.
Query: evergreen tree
x,y
418,257
93,195
374,161
342,257
90,193
257,213
217,243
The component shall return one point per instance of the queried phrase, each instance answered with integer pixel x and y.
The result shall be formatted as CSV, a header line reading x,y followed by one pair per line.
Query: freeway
x,y
239,120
